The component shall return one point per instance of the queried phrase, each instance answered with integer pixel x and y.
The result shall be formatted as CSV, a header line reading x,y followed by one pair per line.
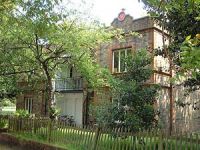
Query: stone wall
x,y
186,110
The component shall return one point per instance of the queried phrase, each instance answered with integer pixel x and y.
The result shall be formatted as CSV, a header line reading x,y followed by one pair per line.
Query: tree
x,y
8,83
190,53
39,36
133,105
181,19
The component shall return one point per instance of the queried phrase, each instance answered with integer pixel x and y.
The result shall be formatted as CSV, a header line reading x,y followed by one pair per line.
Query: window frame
x,y
126,49
28,104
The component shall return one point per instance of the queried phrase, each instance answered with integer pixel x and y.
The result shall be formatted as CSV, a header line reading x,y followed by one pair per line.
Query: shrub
x,y
132,103
7,102
21,113
54,112
3,124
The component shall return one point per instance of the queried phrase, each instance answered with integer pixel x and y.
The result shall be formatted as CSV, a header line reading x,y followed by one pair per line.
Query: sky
x,y
107,10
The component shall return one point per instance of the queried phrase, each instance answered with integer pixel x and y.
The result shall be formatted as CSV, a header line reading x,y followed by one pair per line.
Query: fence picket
x,y
80,137
191,141
105,138
109,138
121,138
198,141
112,138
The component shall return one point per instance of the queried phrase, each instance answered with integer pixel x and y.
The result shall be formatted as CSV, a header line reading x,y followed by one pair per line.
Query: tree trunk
x,y
48,89
48,83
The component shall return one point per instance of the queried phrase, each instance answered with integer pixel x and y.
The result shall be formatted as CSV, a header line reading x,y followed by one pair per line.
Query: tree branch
x,y
16,72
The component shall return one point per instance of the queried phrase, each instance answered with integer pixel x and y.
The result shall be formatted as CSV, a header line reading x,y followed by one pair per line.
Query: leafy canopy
x,y
39,36
181,18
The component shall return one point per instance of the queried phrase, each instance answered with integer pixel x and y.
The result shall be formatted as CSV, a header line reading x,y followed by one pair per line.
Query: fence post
x,y
160,141
96,137
34,125
49,130
19,124
8,123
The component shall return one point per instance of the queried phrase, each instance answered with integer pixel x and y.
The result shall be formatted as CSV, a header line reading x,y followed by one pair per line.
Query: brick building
x,y
73,97
32,97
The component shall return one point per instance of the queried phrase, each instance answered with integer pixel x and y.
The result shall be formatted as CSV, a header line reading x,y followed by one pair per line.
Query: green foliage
x,y
21,113
41,38
191,53
190,62
38,37
181,19
54,112
133,105
3,124
178,17
136,98
105,112
7,102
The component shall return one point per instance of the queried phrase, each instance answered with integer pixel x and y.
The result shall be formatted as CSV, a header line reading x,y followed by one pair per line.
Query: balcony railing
x,y
65,84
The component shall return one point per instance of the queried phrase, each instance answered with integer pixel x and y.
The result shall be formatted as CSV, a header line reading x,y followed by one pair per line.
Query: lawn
x,y
84,139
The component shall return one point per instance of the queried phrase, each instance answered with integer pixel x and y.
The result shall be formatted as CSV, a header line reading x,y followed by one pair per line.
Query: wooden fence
x,y
101,138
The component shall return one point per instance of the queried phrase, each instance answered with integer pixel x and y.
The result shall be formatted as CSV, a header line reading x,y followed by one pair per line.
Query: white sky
x,y
107,10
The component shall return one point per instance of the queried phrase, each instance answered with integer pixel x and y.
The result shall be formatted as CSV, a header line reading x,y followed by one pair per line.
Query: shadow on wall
x,y
187,112
163,106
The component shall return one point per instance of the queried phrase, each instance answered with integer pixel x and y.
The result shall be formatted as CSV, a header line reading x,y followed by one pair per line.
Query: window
x,y
71,71
28,104
119,56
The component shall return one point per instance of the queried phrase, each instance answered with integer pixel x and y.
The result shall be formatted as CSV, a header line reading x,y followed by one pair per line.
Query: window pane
x,y
116,61
25,107
122,61
128,52
71,71
119,62
28,104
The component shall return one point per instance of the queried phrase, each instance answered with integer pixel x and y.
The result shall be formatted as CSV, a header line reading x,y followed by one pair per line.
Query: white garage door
x,y
71,104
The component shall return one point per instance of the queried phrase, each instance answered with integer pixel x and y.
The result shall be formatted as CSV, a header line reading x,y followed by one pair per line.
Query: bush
x,y
54,112
7,102
21,113
3,124
132,103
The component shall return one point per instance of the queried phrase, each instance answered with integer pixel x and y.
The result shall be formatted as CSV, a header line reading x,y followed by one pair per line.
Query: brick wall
x,y
36,93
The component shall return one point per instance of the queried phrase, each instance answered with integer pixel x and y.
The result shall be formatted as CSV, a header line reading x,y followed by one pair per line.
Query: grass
x,y
42,139
73,140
